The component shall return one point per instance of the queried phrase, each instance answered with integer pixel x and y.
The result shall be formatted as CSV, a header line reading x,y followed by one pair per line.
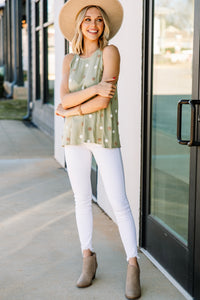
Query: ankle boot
x,y
133,289
88,271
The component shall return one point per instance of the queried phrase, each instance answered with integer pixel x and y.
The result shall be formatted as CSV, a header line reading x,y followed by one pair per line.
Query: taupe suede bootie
x,y
133,289
88,271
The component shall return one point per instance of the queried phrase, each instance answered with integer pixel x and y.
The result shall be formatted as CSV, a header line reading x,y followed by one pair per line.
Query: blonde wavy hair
x,y
77,42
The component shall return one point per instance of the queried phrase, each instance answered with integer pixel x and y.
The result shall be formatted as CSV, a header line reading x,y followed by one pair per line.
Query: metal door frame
x,y
193,262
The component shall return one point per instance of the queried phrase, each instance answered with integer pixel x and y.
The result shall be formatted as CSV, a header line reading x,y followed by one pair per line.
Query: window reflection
x,y
51,63
172,81
173,47
38,62
25,50
37,14
50,10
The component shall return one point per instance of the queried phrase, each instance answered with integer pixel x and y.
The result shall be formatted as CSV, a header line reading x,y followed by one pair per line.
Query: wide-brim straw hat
x,y
70,10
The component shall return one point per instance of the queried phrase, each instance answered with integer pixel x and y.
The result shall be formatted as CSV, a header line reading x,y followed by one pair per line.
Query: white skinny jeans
x,y
109,161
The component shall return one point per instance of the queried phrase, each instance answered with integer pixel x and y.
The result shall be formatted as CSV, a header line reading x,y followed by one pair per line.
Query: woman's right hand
x,y
106,88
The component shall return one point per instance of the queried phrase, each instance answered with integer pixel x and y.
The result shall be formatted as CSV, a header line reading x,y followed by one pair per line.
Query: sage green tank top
x,y
100,127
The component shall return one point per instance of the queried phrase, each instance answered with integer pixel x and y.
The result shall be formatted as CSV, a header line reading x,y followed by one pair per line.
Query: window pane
x,y
172,81
38,59
37,14
25,50
50,63
48,10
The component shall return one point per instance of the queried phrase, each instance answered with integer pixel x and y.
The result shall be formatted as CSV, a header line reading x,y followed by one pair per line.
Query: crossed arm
x,y
80,103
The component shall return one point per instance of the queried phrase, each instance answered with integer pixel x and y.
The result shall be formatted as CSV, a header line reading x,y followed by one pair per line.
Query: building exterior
x,y
13,48
159,47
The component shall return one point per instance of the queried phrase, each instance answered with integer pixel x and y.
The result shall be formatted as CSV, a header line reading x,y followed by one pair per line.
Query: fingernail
x,y
114,77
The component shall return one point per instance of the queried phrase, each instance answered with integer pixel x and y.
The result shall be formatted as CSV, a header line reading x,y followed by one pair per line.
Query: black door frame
x,y
191,253
196,155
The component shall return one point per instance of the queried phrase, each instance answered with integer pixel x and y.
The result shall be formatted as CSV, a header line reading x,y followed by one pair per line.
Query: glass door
x,y
171,81
168,179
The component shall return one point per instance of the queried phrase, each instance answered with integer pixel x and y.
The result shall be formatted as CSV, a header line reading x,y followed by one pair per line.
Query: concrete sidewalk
x,y
40,256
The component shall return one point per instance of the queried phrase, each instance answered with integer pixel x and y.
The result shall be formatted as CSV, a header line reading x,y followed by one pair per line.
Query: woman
x,y
90,105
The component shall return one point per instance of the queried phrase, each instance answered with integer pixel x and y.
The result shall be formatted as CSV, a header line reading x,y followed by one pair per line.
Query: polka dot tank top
x,y
100,127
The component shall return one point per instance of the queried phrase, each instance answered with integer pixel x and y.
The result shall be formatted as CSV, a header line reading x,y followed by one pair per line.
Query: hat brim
x,y
71,8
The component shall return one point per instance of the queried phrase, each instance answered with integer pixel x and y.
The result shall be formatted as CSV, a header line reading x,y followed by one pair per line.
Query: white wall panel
x,y
129,42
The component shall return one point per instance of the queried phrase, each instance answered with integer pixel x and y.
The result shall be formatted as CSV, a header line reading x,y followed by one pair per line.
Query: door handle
x,y
192,104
